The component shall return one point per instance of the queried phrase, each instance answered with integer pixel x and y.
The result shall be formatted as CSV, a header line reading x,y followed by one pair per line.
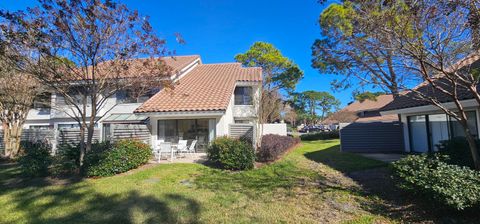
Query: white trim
x,y
185,70
430,108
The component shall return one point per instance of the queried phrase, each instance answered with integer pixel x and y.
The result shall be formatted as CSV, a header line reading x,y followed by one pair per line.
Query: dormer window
x,y
243,95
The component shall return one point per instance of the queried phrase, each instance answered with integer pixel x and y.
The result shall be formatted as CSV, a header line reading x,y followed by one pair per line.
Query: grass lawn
x,y
307,186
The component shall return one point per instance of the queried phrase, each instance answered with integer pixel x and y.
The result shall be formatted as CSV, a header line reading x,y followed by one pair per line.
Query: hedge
x,y
105,160
231,154
320,136
451,186
273,146
36,159
457,151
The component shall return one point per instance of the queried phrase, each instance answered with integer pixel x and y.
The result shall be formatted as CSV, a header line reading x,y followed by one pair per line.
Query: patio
x,y
200,158
181,151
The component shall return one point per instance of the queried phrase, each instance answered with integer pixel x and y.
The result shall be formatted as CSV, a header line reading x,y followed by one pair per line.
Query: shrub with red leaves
x,y
273,146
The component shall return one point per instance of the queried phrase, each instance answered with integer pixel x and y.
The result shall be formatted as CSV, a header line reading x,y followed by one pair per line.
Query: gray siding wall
x,y
372,137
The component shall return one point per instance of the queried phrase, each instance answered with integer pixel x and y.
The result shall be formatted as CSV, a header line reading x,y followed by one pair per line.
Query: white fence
x,y
276,129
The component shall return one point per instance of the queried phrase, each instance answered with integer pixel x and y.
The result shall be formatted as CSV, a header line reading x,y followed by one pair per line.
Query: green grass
x,y
304,187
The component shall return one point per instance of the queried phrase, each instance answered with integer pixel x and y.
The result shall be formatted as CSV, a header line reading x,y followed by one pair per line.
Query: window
x,y
240,121
42,102
202,130
427,131
107,133
77,94
243,95
127,96
39,127
72,126
418,133
457,129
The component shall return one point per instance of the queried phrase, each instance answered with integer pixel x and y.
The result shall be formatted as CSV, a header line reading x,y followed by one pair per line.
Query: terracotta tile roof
x,y
177,63
207,87
138,68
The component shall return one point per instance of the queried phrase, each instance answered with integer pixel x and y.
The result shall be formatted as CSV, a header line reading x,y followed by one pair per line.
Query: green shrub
x,y
449,185
320,136
231,154
36,159
458,151
67,159
107,160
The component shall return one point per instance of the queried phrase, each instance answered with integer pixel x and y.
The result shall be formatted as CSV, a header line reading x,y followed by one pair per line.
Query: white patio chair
x,y
156,149
182,146
191,148
165,148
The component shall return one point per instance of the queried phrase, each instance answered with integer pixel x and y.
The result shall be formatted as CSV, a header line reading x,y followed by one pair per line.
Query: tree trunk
x,y
82,145
90,131
12,134
473,149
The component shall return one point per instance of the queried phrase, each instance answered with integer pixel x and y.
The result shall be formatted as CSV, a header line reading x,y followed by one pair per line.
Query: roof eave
x,y
429,108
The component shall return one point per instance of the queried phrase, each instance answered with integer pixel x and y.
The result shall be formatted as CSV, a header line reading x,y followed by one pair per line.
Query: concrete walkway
x,y
384,157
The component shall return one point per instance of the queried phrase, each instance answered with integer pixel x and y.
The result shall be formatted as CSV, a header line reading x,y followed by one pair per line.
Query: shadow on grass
x,y
385,198
279,175
11,179
41,202
343,161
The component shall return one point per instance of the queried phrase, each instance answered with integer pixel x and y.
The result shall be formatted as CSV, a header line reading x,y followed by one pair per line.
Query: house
x,y
207,101
425,125
364,129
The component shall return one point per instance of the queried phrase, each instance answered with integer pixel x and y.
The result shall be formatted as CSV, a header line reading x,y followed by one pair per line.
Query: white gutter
x,y
427,108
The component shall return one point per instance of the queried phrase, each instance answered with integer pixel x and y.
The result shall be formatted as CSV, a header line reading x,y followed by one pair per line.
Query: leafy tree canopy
x,y
279,72
367,96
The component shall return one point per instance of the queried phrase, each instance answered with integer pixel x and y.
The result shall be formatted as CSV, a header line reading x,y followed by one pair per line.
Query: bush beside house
x,y
457,151
104,159
273,146
231,154
123,156
320,136
36,159
451,186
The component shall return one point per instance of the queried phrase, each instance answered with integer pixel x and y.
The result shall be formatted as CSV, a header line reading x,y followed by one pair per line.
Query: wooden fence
x,y
72,136
241,131
130,131
32,135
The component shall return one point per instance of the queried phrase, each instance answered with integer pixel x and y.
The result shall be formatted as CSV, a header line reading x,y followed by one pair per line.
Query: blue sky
x,y
219,29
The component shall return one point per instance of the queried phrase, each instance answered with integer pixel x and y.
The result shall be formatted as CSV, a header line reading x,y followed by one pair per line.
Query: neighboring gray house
x,y
425,125
366,130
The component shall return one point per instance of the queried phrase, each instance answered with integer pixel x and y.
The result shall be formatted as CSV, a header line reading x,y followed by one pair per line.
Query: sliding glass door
x,y
438,129
427,131
187,129
418,133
